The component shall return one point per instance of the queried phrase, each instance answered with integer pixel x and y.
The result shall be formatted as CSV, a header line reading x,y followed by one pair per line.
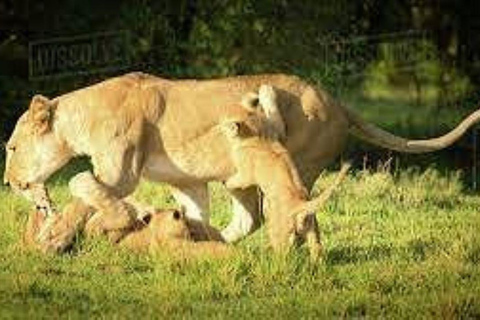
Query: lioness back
x,y
194,108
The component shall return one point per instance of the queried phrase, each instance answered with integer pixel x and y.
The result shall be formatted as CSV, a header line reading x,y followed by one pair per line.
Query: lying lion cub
x,y
264,161
166,230
170,230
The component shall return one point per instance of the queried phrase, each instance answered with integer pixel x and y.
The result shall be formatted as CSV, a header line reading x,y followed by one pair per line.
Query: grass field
x,y
405,245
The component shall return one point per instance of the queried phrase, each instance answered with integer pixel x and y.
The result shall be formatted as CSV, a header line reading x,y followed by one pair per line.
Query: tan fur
x,y
35,221
264,106
163,227
171,231
67,225
266,163
139,125
166,230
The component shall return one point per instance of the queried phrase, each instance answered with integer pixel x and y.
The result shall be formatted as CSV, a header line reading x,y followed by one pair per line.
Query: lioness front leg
x,y
117,173
194,198
58,231
247,216
113,216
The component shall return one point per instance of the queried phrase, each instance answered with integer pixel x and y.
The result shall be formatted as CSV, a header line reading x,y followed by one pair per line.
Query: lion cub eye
x,y
177,215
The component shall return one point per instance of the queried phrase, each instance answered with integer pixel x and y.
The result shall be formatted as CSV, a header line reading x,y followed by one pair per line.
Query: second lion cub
x,y
263,161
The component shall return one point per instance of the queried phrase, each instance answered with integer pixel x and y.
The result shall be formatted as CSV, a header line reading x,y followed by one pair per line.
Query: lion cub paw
x,y
237,182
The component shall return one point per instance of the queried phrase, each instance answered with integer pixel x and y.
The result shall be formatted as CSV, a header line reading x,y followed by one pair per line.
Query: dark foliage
x,y
200,38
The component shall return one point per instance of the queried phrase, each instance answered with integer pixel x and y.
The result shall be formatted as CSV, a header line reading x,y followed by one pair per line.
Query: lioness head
x,y
34,151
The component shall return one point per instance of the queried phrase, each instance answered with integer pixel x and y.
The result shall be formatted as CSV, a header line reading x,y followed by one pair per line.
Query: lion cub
x,y
166,230
171,230
263,161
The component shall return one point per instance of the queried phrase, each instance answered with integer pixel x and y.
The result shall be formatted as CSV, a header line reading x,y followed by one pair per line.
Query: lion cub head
x,y
161,228
266,103
265,119
172,232
168,225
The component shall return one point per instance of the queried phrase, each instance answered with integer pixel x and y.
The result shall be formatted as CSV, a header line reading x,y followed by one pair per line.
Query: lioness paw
x,y
56,235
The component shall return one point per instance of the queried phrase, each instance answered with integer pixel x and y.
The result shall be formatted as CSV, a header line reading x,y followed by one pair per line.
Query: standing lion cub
x,y
263,161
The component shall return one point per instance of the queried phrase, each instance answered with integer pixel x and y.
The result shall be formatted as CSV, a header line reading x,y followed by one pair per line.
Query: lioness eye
x,y
10,147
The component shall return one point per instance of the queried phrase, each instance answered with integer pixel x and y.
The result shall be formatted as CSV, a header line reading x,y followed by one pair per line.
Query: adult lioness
x,y
139,125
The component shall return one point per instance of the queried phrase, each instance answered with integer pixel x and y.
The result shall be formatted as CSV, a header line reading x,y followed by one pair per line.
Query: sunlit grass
x,y
405,245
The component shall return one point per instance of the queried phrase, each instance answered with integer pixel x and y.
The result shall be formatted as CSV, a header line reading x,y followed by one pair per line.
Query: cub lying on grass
x,y
170,230
163,230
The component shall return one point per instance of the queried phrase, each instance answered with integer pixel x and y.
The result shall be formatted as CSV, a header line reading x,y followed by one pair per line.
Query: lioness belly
x,y
184,168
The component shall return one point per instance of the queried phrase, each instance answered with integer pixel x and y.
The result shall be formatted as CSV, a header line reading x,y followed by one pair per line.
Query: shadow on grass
x,y
342,255
419,249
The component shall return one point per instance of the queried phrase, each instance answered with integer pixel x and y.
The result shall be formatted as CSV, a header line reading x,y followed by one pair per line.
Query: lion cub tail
x,y
318,202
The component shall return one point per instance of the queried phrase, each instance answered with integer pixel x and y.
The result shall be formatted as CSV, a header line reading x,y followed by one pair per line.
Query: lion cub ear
x,y
179,214
232,129
250,101
41,113
183,210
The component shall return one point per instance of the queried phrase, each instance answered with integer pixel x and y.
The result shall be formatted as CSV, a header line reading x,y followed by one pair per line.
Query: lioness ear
x,y
41,113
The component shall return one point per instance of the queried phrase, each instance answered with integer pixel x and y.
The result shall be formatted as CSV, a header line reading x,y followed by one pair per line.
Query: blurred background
x,y
412,67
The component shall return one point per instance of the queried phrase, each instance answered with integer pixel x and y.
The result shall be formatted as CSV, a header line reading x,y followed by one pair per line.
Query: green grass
x,y
396,246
